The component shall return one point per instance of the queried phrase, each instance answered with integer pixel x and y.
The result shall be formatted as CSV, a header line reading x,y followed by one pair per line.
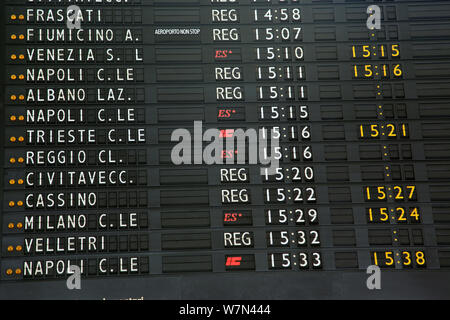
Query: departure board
x,y
225,149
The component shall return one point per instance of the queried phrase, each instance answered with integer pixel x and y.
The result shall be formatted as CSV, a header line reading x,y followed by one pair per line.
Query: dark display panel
x,y
361,122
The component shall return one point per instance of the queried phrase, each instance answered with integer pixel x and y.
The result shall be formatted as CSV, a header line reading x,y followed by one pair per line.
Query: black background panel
x,y
105,165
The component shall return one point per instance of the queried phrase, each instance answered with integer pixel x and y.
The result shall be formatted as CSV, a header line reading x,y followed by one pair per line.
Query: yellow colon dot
x,y
13,77
9,272
13,118
21,17
12,139
21,160
10,248
19,248
11,226
21,118
20,181
21,77
13,37
21,37
13,57
12,160
18,271
13,98
12,204
19,225
21,57
12,181
22,97
21,139
13,17
20,203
